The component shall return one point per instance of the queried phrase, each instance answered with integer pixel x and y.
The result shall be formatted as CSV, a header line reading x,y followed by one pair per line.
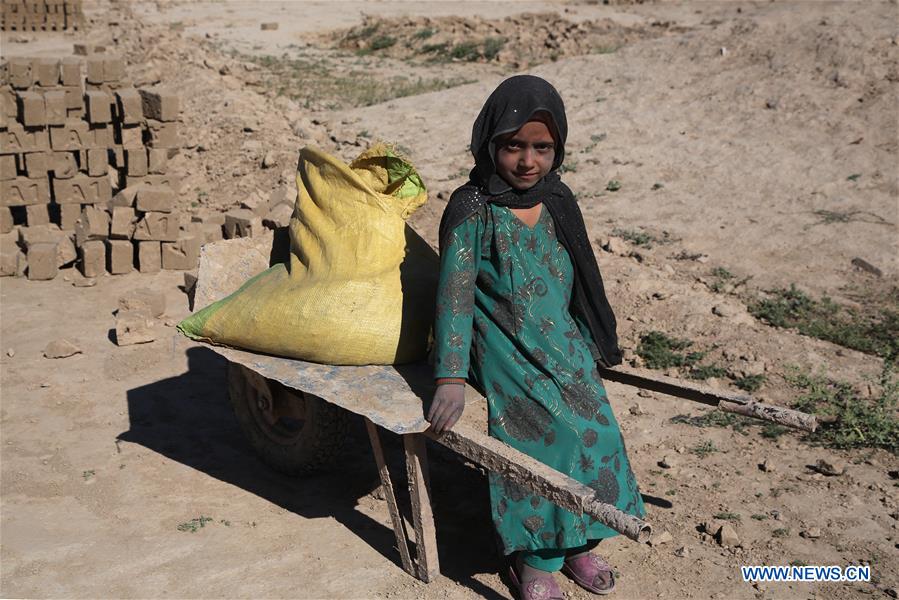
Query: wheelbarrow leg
x,y
420,494
398,528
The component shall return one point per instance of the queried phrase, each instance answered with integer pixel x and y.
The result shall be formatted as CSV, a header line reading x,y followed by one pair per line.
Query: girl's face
x,y
524,157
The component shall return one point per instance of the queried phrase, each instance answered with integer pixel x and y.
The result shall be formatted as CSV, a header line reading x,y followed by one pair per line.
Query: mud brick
x,y
104,135
157,161
66,252
123,220
9,104
37,214
129,107
214,218
117,157
125,197
113,69
74,98
134,327
70,71
31,109
146,299
55,107
92,258
21,76
67,215
35,235
131,136
42,261
23,192
93,224
45,71
212,233
74,135
160,104
160,227
182,255
136,162
97,161
149,257
163,135
9,255
156,199
119,256
99,107
17,140
95,68
37,164
171,181
6,220
82,189
63,164
8,168
242,222
84,49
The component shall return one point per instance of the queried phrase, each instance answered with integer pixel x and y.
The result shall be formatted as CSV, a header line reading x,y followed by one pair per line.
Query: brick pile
x,y
83,171
41,15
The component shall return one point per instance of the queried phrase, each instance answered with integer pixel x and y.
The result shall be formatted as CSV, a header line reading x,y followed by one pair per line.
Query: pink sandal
x,y
541,588
585,570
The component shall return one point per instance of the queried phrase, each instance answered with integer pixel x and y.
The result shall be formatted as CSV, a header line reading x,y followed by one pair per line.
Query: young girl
x,y
522,314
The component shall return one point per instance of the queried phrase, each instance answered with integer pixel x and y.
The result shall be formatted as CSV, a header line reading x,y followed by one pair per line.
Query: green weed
x,y
759,517
707,372
728,516
492,47
568,167
614,185
381,42
750,383
660,351
657,186
874,333
423,34
704,449
854,177
780,532
773,431
852,422
194,524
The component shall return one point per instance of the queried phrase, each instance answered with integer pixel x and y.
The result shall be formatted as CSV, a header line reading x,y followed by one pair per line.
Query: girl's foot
x,y
591,572
534,584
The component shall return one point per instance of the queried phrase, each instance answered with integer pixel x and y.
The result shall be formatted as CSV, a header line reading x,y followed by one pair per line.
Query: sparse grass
x,y
568,167
194,524
703,449
466,51
828,217
613,186
759,517
854,177
707,372
852,422
750,383
88,474
492,47
715,418
780,532
657,186
728,516
595,139
642,238
773,431
423,34
318,84
874,333
381,42
661,351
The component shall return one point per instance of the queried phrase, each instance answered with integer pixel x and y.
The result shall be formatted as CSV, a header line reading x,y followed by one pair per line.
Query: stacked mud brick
x,y
66,148
41,15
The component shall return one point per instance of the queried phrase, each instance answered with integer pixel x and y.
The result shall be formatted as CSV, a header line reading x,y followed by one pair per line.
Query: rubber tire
x,y
319,440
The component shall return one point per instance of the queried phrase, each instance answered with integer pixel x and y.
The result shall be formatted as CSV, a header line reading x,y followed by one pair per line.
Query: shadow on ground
x,y
188,419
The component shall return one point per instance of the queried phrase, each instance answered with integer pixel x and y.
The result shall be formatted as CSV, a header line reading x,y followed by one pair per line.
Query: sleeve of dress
x,y
455,299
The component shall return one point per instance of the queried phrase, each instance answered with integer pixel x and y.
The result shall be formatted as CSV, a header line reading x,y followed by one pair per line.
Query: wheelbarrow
x,y
295,415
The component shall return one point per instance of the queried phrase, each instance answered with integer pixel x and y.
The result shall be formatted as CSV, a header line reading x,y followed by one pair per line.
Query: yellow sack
x,y
360,284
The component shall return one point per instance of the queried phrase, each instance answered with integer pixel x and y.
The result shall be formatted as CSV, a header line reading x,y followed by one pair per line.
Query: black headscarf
x,y
512,104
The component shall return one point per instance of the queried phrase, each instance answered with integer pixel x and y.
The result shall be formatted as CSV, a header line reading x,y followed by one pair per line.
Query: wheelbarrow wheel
x,y
292,432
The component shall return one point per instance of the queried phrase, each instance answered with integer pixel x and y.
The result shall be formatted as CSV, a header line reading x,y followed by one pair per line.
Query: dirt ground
x,y
757,139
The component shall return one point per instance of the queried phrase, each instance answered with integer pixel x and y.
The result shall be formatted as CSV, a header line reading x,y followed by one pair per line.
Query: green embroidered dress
x,y
503,303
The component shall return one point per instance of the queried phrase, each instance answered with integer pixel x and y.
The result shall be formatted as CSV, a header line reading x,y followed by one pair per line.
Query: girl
x,y
522,312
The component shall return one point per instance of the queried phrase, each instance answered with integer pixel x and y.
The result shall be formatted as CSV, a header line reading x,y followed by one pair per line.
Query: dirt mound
x,y
516,41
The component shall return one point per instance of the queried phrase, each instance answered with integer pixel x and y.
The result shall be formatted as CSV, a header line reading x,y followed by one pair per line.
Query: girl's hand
x,y
447,406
